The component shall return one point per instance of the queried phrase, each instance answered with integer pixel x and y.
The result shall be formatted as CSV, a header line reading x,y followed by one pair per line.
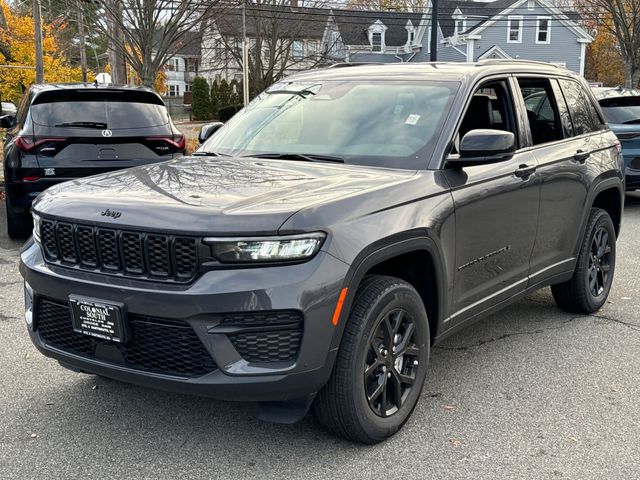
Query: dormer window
x,y
460,22
376,41
411,33
376,36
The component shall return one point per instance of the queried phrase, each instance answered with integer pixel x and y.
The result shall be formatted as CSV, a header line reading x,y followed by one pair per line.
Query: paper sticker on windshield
x,y
412,119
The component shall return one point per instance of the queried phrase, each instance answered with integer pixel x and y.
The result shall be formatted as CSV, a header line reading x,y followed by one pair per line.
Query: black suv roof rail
x,y
507,61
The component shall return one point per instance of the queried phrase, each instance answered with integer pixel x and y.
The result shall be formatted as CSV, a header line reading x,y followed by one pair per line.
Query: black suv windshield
x,y
379,123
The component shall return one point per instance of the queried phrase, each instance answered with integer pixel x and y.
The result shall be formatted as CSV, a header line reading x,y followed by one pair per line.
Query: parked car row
x,y
321,242
66,131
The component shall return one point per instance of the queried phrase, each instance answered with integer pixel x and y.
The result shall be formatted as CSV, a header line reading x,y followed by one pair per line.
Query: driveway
x,y
530,392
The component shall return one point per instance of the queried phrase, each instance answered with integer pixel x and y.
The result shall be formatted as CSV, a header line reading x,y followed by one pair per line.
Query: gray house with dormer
x,y
467,32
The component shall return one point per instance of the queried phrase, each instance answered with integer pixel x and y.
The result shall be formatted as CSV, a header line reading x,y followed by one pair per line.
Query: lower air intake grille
x,y
157,345
266,337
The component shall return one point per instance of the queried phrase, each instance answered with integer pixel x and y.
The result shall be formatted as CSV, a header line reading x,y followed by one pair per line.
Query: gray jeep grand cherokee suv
x,y
322,241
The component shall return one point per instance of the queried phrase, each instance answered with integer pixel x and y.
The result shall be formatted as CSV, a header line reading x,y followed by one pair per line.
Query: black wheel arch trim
x,y
385,249
600,187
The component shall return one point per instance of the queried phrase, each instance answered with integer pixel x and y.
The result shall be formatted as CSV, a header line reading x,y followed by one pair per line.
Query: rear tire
x,y
19,224
589,287
381,365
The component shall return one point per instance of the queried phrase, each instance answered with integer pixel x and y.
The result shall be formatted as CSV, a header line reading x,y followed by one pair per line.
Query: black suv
x,y
323,240
74,130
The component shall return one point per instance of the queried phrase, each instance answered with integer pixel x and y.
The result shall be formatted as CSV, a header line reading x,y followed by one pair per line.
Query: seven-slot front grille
x,y
136,254
157,345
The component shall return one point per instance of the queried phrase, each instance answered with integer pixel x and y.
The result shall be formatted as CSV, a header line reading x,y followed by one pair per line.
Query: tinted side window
x,y
23,108
542,110
563,109
584,115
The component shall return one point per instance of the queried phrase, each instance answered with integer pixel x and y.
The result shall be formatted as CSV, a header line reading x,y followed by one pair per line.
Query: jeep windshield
x,y
392,124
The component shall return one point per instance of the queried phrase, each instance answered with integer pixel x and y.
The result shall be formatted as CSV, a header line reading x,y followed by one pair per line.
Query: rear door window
x,y
112,111
542,110
584,116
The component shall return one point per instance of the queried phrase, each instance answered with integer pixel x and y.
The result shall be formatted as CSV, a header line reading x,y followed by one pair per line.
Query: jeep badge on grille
x,y
111,213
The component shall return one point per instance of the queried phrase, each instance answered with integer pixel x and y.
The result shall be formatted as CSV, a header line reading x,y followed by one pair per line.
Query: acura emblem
x,y
107,133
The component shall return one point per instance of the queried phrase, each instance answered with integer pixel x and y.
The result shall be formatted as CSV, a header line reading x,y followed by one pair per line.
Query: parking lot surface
x,y
530,392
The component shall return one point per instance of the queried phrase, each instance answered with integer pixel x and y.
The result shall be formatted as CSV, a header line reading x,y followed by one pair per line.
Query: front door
x,y
496,212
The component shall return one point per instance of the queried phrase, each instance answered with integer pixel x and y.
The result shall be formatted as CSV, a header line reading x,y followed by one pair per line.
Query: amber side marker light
x,y
336,313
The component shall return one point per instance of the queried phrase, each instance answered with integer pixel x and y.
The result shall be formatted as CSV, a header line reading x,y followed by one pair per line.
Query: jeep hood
x,y
210,195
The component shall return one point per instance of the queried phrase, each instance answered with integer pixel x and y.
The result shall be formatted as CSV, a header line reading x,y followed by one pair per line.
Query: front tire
x,y
588,289
382,363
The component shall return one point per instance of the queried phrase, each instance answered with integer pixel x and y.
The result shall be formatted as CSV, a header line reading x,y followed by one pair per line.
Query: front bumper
x,y
311,288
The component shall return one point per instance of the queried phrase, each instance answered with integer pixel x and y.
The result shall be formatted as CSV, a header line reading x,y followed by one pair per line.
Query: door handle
x,y
581,156
525,171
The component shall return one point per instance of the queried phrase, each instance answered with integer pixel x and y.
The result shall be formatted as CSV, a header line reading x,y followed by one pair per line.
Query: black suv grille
x,y
157,345
266,337
135,254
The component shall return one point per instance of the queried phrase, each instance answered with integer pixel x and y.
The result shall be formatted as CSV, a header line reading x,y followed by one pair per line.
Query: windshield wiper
x,y
209,154
82,124
301,93
307,157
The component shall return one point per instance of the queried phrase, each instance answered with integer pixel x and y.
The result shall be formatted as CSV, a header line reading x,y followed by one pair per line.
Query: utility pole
x,y
434,31
245,58
83,49
37,31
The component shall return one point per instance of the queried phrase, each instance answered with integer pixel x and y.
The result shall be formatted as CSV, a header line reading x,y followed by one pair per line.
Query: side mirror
x,y
7,121
484,146
207,130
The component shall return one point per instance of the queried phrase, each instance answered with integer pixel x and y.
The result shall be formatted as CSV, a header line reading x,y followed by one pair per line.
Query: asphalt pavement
x,y
528,393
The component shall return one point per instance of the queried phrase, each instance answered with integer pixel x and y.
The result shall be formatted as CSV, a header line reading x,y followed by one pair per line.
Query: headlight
x,y
36,227
289,248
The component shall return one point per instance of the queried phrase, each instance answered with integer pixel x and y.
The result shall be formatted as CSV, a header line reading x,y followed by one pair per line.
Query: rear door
x,y
565,138
84,132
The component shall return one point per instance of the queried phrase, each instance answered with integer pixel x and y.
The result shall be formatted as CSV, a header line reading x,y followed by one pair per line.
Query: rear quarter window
x,y
117,111
584,115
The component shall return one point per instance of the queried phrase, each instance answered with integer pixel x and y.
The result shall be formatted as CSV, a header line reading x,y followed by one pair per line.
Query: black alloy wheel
x,y
392,362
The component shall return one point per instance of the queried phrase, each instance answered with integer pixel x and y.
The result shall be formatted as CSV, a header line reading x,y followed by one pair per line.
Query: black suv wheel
x,y
589,287
381,365
19,224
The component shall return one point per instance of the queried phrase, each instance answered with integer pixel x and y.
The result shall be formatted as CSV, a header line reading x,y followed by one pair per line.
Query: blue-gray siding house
x,y
467,32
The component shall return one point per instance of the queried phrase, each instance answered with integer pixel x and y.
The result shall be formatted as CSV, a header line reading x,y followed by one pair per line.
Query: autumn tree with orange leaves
x,y
604,63
17,49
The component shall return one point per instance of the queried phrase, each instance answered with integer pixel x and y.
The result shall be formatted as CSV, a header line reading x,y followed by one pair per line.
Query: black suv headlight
x,y
36,227
286,248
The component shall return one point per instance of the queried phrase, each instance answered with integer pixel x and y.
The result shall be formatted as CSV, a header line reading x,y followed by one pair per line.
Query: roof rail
x,y
353,64
500,61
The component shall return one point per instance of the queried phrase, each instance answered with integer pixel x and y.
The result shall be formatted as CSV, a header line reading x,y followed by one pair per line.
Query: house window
x,y
193,65
460,26
312,48
187,87
412,37
173,65
376,42
543,30
297,50
173,90
514,29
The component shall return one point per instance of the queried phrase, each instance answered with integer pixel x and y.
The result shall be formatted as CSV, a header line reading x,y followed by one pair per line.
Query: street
x,y
530,392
